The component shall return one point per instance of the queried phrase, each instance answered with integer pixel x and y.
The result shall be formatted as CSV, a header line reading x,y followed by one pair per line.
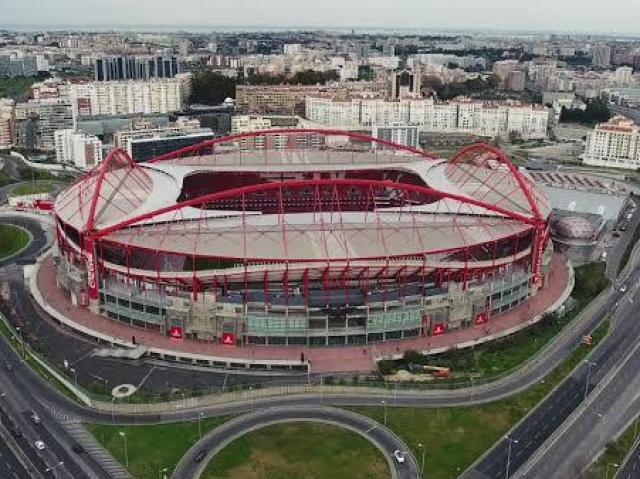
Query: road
x,y
630,468
540,424
383,438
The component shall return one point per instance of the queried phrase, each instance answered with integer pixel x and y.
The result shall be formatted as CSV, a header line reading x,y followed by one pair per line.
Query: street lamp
x,y
511,443
586,384
75,376
606,471
21,341
126,452
384,408
162,472
200,415
424,450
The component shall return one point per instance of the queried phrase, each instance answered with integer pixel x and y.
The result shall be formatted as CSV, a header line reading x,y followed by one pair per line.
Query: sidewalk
x,y
329,359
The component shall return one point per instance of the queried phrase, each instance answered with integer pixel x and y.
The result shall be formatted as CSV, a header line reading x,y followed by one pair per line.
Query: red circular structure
x,y
305,234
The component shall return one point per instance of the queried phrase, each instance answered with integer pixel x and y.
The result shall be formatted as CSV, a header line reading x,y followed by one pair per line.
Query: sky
x,y
611,16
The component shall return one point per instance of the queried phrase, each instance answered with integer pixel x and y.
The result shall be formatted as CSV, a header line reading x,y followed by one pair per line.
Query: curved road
x,y
383,438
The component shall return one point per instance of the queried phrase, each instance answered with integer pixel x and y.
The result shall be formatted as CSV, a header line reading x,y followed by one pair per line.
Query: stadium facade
x,y
303,237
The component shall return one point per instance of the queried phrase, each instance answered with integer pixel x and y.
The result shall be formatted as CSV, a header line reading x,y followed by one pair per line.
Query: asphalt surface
x,y
539,425
10,466
380,436
35,248
630,468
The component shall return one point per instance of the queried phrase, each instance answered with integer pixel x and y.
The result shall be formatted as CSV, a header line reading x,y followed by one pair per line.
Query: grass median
x,y
33,188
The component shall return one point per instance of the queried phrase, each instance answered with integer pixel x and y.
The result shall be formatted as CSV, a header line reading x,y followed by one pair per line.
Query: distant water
x,y
279,29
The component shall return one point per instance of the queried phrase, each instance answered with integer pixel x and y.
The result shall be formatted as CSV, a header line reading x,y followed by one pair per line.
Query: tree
x,y
211,88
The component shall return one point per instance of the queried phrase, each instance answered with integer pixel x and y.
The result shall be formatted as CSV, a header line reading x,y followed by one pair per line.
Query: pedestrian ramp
x,y
96,451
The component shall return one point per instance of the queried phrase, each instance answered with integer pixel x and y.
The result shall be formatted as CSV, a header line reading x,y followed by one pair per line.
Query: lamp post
x,y
384,409
123,435
424,450
511,443
606,471
586,384
162,471
19,330
199,425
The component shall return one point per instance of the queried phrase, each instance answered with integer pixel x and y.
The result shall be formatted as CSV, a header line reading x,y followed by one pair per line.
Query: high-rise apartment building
x,y
12,66
615,144
7,119
601,55
129,97
77,148
121,67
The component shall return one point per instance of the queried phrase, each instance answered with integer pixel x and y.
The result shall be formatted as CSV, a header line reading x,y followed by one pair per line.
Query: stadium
x,y
302,237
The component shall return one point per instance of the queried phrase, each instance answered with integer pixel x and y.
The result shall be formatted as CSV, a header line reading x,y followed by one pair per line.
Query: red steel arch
x,y
464,153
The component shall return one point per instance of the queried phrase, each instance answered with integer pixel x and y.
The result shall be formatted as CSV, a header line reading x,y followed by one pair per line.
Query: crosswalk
x,y
91,445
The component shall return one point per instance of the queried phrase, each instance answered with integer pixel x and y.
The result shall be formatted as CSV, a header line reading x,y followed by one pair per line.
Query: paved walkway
x,y
329,359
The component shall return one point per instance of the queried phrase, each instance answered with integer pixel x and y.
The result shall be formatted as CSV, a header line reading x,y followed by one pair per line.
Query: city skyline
x,y
491,15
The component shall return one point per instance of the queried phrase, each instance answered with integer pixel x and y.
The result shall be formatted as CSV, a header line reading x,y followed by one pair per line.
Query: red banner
x,y
438,329
92,270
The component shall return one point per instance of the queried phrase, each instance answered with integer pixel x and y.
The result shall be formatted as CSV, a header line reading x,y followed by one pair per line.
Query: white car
x,y
39,445
398,456
623,289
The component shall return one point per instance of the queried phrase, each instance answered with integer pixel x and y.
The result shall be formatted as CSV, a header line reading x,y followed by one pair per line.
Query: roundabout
x,y
215,441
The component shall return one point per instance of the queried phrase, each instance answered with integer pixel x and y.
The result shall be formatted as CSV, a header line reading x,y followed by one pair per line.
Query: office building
x,y
405,84
399,134
13,66
120,67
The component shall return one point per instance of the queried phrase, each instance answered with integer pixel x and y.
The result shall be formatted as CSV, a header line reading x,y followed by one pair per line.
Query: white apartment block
x,y
123,138
158,95
246,123
460,116
7,119
82,150
615,144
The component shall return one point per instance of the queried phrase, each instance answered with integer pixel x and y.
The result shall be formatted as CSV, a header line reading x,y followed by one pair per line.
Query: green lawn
x,y
12,240
32,188
152,447
299,450
457,436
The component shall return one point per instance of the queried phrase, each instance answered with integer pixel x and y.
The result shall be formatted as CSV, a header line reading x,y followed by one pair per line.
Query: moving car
x,y
200,456
399,456
39,445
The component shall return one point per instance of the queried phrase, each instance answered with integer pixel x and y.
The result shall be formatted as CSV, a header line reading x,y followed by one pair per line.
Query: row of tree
x,y
597,111
467,88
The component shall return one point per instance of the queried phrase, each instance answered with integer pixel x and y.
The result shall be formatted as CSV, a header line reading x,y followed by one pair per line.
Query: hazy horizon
x,y
619,17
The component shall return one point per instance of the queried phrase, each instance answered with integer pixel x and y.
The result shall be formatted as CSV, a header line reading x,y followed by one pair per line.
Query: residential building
x,y
7,119
601,56
290,99
77,148
623,76
129,97
487,119
615,144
